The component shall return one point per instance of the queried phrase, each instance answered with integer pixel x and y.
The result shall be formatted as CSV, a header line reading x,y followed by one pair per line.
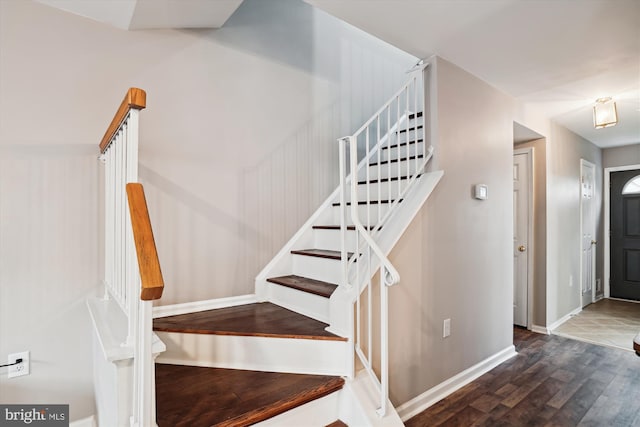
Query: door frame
x,y
607,223
530,229
584,163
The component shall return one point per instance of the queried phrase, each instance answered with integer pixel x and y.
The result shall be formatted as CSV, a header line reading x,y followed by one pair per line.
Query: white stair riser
x,y
381,191
401,152
310,305
412,134
317,413
391,169
367,218
331,239
325,269
322,357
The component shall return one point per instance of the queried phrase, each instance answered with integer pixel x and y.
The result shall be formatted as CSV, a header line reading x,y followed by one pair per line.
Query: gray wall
x,y
564,151
456,257
238,148
539,229
621,156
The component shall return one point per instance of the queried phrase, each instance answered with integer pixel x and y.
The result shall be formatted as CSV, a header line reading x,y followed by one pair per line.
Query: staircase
x,y
298,352
293,342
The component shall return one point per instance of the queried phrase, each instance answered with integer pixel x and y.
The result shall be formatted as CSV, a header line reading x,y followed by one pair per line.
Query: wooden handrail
x,y
148,263
135,99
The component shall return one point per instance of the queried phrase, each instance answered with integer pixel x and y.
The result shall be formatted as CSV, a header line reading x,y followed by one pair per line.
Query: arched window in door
x,y
632,186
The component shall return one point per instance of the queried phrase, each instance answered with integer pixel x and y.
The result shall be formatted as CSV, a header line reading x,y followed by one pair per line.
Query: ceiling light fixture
x,y
605,113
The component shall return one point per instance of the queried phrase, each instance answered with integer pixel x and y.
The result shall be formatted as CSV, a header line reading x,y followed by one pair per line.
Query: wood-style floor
x,y
189,396
553,381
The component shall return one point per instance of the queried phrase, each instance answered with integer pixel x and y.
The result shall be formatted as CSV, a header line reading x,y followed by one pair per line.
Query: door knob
x,y
522,248
593,242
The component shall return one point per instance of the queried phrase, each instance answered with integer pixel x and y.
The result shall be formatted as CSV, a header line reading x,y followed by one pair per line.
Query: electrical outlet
x,y
21,368
446,328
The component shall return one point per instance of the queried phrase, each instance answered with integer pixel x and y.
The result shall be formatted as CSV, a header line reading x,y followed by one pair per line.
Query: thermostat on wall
x,y
481,192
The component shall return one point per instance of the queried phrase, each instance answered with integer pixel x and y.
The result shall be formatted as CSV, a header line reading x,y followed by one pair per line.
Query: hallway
x,y
607,322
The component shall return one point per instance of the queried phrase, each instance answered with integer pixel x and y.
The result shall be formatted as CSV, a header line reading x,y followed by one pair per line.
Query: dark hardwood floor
x,y
553,381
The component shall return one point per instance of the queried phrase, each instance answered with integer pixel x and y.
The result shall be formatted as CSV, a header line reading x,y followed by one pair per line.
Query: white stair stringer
x,y
353,405
329,270
270,354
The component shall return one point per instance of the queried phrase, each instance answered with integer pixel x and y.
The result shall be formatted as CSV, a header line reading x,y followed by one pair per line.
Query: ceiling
x,y
151,14
555,55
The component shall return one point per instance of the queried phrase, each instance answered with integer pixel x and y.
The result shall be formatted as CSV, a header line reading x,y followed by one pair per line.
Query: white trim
x,y
540,329
563,319
607,223
530,231
587,164
624,300
194,307
84,422
444,389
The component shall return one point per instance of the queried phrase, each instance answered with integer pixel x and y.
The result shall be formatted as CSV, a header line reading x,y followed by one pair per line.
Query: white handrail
x,y
378,143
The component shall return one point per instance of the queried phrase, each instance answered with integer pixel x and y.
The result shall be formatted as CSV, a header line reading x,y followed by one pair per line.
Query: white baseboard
x,y
85,422
196,306
540,329
444,389
563,319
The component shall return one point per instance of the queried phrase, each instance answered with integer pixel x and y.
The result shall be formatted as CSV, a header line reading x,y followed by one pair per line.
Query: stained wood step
x,y
377,181
384,162
402,144
260,320
410,129
371,202
414,115
337,423
337,227
321,253
204,397
304,284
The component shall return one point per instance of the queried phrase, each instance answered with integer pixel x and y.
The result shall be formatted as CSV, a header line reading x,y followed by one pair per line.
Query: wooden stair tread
x,y
305,284
384,162
402,144
337,423
371,202
337,227
410,129
414,115
376,181
202,397
259,320
321,253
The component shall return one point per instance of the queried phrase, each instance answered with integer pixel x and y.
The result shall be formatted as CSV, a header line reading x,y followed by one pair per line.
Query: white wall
x,y
238,148
621,156
48,267
563,219
456,258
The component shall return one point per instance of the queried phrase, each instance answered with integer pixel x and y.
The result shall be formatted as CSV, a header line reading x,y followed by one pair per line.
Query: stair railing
x,y
132,271
369,195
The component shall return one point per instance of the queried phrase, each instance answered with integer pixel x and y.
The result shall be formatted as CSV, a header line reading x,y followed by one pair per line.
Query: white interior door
x,y
588,231
521,212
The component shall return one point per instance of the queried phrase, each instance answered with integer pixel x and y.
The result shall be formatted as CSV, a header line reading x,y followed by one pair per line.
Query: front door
x,y
521,209
588,227
625,235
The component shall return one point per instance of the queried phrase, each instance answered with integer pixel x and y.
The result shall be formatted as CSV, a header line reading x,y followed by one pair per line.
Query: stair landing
x,y
260,319
203,397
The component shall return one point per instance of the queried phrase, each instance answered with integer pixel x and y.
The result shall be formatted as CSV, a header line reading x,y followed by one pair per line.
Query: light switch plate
x,y
481,192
